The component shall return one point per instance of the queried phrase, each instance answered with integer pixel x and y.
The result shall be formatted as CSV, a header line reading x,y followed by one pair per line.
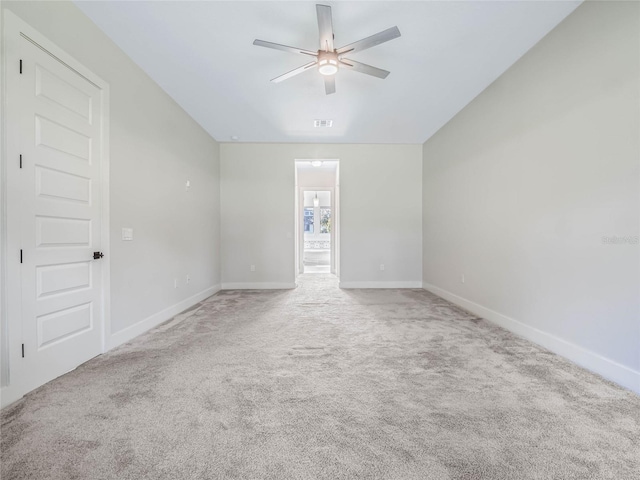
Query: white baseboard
x,y
15,391
410,284
609,369
9,394
258,286
156,319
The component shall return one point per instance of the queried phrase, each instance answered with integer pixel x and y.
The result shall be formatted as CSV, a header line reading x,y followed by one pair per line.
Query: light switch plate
x,y
127,234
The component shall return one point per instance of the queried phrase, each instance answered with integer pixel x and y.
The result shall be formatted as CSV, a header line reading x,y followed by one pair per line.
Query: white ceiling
x,y
201,53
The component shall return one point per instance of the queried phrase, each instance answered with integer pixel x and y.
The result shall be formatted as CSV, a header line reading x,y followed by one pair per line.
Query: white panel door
x,y
59,123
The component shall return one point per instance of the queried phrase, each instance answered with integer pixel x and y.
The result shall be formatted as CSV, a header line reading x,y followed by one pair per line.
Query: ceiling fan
x,y
329,59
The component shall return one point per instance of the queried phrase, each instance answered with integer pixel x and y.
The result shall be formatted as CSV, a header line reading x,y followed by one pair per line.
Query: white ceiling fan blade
x,y
325,26
284,48
294,72
372,41
364,68
330,84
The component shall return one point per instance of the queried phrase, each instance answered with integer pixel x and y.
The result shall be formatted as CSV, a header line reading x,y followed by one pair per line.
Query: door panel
x,y
58,326
58,90
59,185
60,137
53,279
62,232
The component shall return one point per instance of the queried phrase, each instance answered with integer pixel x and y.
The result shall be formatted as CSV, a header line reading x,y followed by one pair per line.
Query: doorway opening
x,y
317,217
316,225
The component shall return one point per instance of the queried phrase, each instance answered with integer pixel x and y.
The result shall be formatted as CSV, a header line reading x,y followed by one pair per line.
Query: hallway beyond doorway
x,y
317,220
317,261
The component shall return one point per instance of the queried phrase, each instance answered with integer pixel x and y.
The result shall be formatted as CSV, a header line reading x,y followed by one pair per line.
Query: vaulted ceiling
x,y
201,54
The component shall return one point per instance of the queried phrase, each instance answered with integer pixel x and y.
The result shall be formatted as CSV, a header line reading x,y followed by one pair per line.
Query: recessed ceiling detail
x,y
201,54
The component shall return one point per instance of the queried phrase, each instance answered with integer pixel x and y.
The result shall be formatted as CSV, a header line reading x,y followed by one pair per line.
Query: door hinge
x,y
20,160
20,255
23,350
20,66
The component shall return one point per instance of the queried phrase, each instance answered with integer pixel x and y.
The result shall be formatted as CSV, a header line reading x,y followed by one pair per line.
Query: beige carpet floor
x,y
322,383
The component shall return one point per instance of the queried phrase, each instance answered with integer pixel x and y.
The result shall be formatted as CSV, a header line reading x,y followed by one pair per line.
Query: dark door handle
x,y
97,255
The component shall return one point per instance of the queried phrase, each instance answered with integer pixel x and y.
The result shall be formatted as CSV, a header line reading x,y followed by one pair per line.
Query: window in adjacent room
x,y
308,220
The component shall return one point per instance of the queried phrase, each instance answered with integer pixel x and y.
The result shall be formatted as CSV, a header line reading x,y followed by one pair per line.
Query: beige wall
x,y
523,185
380,212
155,147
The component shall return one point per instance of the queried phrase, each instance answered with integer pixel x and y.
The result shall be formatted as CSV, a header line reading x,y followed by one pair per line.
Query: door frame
x,y
12,375
300,226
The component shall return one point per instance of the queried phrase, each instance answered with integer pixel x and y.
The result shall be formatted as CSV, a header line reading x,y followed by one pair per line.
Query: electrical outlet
x,y
188,279
252,268
382,267
462,278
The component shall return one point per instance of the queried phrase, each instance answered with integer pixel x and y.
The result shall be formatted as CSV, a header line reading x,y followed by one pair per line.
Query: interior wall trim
x,y
596,363
391,284
258,286
131,332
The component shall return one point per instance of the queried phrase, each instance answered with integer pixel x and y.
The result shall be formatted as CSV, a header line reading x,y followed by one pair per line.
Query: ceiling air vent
x,y
323,123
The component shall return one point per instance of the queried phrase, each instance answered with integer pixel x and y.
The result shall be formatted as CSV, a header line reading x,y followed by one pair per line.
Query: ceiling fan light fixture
x,y
327,63
327,67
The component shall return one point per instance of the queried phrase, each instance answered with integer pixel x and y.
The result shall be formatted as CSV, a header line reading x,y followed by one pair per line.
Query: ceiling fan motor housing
x,y
327,62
